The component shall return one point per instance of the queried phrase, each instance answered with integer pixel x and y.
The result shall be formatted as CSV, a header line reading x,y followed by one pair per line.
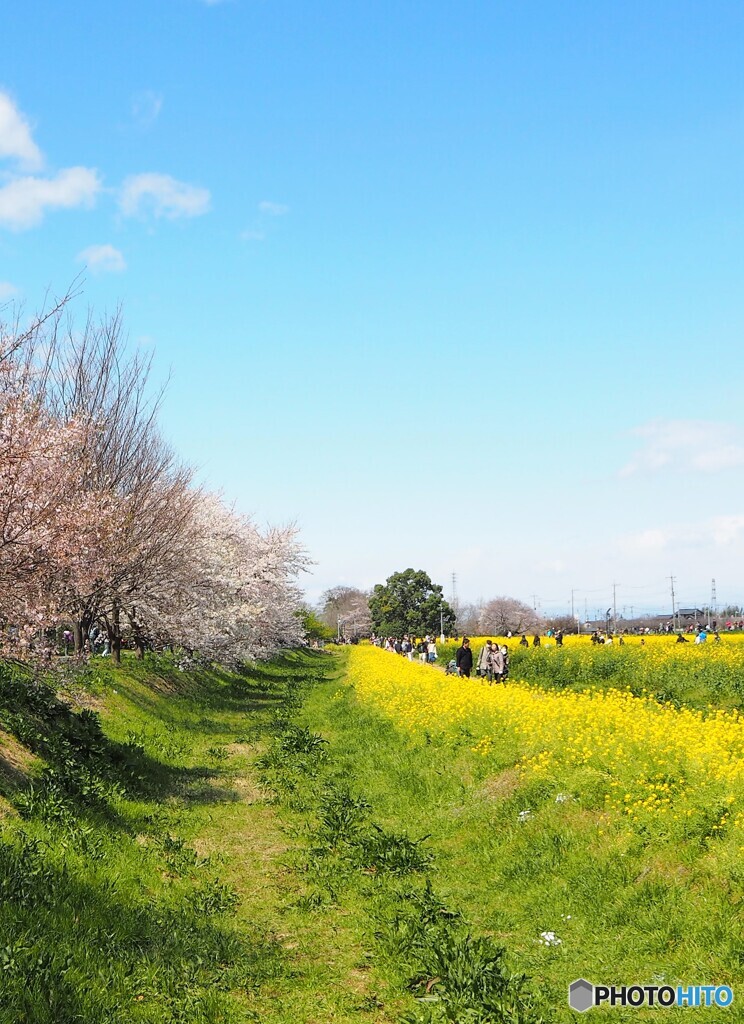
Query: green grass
x,y
259,847
142,865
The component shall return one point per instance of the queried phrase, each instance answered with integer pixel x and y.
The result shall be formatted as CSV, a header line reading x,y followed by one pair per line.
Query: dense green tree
x,y
408,602
314,627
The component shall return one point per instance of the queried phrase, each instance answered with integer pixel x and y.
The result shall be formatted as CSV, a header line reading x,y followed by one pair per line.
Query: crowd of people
x,y
492,664
425,650
493,659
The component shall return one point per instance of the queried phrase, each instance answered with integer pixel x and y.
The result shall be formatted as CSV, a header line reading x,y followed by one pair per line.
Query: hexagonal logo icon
x,y
581,995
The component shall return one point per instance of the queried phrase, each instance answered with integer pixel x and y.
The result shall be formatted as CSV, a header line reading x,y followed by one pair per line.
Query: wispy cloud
x,y
272,209
267,210
102,259
162,196
146,107
24,201
16,142
7,291
700,445
722,531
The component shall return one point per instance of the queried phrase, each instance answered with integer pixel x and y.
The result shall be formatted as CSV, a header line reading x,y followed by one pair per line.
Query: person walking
x,y
496,668
431,651
464,658
483,666
505,655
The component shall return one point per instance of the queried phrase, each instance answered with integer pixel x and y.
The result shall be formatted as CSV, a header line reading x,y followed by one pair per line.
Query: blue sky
x,y
452,285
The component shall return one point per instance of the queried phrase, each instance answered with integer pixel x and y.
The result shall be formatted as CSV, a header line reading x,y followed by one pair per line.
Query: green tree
x,y
408,602
315,628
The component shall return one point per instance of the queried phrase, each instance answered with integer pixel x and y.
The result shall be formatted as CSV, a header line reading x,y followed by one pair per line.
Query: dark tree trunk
x,y
114,632
137,637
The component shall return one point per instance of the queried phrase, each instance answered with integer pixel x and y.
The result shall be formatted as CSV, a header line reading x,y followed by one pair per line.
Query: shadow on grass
x,y
87,929
83,948
83,766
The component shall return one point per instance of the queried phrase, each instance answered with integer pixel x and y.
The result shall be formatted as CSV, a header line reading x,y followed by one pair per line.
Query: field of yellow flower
x,y
690,674
660,769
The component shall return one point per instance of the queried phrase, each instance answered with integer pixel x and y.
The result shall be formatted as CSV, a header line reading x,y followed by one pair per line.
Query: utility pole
x,y
614,607
454,591
673,580
573,615
712,600
534,602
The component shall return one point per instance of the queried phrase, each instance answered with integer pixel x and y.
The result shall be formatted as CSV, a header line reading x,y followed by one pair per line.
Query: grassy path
x,y
145,872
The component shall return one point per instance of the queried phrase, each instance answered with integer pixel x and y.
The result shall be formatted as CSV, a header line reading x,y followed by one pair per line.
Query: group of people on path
x,y
425,649
493,661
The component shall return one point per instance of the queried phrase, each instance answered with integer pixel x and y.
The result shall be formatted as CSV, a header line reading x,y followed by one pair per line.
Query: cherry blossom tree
x,y
238,598
100,522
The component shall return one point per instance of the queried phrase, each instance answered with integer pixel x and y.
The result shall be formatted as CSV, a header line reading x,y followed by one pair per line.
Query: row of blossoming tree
x,y
101,525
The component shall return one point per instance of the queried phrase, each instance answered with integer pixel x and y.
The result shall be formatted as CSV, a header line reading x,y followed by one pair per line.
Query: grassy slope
x,y
625,912
145,880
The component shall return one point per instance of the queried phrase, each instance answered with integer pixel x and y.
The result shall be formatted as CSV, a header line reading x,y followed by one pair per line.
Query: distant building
x,y
692,614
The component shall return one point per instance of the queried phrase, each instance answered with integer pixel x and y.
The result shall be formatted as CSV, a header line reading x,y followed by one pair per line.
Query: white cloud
x,y
15,137
146,107
102,259
24,201
272,209
7,291
717,531
552,565
162,196
647,541
252,236
726,530
700,445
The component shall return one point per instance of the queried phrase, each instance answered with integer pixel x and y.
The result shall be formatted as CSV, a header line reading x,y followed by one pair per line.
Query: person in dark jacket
x,y
464,658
